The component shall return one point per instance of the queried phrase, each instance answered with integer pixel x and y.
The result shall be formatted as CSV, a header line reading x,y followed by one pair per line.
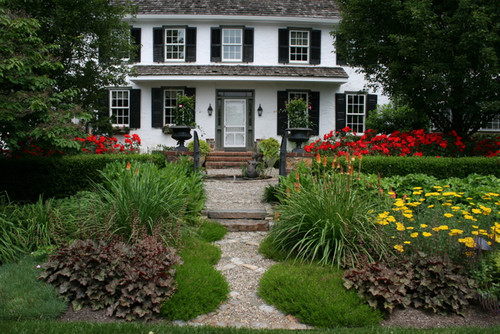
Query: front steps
x,y
222,160
241,220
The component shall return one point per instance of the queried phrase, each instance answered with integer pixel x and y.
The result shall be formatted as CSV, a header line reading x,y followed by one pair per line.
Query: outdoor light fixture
x,y
210,109
259,110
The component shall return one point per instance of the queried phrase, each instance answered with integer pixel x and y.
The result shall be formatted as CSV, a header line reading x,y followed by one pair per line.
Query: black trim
x,y
315,47
283,45
158,45
314,112
135,108
190,44
248,45
216,45
135,34
282,122
340,111
157,107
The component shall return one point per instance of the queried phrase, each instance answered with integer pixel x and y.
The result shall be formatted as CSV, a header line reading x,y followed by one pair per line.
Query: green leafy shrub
x,y
422,281
315,295
487,276
204,147
25,179
269,150
211,231
23,296
396,116
325,220
129,281
201,288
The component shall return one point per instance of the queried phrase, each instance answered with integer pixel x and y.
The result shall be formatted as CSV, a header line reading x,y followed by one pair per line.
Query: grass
x,y
53,327
316,296
201,288
23,296
211,231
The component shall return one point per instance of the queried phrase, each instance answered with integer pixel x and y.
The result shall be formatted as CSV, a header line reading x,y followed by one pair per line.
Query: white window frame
x,y
297,95
292,46
120,109
356,109
169,102
179,46
232,44
493,125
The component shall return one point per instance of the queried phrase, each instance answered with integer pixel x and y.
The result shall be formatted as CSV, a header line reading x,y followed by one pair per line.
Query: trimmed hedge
x,y
25,179
440,168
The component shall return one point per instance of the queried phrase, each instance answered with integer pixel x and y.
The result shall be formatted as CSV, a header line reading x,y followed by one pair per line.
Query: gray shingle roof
x,y
282,8
242,70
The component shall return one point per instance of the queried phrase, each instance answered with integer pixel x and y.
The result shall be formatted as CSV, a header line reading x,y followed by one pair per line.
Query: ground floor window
x,y
356,112
493,125
169,103
119,105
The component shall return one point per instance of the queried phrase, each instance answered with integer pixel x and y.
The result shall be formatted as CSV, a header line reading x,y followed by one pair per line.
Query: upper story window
x,y
232,44
119,105
299,46
302,46
174,44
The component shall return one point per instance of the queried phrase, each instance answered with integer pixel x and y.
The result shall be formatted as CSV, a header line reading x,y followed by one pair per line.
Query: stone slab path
x,y
241,263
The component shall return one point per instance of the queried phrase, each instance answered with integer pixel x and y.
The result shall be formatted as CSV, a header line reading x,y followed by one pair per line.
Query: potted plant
x,y
183,114
120,129
298,122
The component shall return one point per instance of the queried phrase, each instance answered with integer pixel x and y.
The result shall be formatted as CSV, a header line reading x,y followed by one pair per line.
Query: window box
x,y
121,130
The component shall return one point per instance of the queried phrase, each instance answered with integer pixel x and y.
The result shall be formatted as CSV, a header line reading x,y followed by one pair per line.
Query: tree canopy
x,y
442,57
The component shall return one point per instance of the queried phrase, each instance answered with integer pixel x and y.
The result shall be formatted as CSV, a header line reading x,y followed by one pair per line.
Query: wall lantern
x,y
210,110
259,110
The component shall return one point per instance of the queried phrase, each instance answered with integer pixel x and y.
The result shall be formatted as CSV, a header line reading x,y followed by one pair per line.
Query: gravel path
x,y
241,263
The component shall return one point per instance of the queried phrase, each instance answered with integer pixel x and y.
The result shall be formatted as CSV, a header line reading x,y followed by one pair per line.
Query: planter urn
x,y
181,134
299,136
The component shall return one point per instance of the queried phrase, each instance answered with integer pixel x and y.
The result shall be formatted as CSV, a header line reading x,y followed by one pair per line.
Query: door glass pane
x,y
234,123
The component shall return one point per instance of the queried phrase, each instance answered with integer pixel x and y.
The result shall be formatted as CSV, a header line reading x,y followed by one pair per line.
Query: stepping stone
x,y
237,214
244,225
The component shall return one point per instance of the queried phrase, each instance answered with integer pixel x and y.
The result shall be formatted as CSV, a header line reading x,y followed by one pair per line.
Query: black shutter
x,y
135,108
371,104
340,111
315,51
156,108
282,116
106,108
190,44
158,45
314,112
216,45
248,45
283,42
136,41
191,92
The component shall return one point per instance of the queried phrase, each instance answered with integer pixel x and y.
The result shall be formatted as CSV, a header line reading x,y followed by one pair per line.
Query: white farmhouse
x,y
242,60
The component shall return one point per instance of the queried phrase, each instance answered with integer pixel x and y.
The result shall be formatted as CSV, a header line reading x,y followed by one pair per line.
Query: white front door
x,y
235,122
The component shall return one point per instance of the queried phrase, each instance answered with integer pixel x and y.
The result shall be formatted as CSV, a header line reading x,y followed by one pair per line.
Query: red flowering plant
x,y
411,143
94,144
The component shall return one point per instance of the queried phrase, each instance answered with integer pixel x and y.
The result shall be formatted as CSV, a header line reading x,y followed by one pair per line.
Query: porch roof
x,y
239,73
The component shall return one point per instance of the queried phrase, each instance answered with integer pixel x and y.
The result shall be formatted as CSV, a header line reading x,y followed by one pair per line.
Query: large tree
x,y
441,56
91,38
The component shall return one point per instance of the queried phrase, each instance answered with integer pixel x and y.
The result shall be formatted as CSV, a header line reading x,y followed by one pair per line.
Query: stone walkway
x,y
241,263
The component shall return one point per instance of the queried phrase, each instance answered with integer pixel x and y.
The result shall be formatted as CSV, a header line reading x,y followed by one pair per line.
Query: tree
x,y
92,39
440,56
394,116
30,109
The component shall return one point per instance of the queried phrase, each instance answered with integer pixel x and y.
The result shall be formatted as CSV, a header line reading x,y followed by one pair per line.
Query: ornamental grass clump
x,y
325,219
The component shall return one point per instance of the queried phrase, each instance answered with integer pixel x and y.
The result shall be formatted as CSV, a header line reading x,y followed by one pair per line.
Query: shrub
x,y
315,295
23,297
423,281
201,288
487,275
129,281
325,219
204,147
394,116
269,149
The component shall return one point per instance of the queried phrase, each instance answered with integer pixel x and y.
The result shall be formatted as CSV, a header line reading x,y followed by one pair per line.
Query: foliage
x,y
270,152
25,179
395,116
487,275
23,297
415,143
201,288
269,250
184,111
31,110
422,281
325,219
211,231
204,147
129,281
142,199
315,295
92,40
271,193
443,58
298,115
104,145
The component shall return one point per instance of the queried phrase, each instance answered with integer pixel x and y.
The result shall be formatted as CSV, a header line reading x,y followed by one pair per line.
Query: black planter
x,y
181,134
298,136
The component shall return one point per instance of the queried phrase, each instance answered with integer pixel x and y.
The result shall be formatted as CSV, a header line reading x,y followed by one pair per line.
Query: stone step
x,y
244,225
237,214
223,164
230,154
227,158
